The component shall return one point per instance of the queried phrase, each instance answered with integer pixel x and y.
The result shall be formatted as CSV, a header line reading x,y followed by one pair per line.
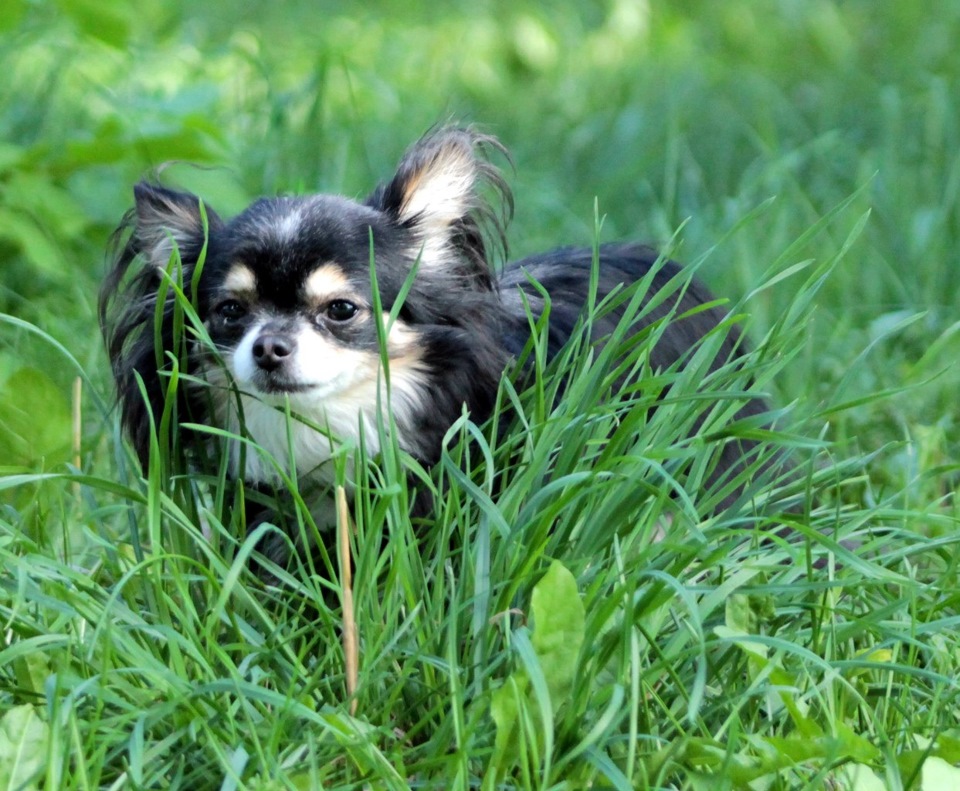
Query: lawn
x,y
574,614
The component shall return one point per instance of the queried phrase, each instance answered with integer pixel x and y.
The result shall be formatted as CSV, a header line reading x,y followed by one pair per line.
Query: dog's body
x,y
284,292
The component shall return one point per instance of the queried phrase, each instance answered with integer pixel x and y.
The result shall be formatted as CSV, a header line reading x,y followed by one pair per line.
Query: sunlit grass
x,y
807,152
669,642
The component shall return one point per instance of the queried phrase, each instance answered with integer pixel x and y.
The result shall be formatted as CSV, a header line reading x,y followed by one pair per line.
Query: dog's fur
x,y
284,292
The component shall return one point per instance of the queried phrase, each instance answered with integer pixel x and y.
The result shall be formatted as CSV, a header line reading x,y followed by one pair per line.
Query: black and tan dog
x,y
284,293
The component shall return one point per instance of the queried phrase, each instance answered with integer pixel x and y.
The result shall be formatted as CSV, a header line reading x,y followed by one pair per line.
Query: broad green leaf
x,y
558,629
948,748
504,708
854,745
859,777
32,670
24,739
937,775
796,749
944,746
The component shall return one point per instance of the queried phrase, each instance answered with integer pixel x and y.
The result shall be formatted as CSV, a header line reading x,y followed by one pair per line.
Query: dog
x,y
294,324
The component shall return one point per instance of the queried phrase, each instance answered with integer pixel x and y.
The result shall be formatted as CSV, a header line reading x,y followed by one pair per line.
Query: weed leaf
x,y
558,629
24,740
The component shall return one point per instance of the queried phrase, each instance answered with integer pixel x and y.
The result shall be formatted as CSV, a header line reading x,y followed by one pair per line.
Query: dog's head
x,y
285,294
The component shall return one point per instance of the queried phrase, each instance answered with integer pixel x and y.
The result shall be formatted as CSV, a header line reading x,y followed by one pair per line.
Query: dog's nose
x,y
271,351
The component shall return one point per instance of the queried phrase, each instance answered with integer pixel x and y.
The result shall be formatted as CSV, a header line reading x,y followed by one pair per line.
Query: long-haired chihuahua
x,y
293,323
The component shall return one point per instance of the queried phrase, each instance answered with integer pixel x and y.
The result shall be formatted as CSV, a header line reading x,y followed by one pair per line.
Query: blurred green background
x,y
743,122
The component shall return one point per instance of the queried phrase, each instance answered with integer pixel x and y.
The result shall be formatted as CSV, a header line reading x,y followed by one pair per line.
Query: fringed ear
x,y
136,343
164,218
450,197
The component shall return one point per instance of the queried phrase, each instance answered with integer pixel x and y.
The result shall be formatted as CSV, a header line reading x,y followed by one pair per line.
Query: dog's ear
x,y
165,218
129,312
448,195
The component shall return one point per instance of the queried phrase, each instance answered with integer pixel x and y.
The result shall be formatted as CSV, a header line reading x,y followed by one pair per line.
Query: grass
x,y
573,615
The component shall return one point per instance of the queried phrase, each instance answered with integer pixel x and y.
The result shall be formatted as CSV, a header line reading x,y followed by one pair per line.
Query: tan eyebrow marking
x,y
325,282
240,279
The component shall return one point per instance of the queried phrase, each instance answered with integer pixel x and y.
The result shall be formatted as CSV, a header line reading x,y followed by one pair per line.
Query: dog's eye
x,y
231,310
341,310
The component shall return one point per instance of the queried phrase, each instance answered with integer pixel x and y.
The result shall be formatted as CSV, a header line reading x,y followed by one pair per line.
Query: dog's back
x,y
671,297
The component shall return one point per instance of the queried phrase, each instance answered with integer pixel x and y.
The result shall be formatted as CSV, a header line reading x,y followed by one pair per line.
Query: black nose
x,y
270,351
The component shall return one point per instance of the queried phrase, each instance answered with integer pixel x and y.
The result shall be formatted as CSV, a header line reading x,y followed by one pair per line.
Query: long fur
x,y
291,263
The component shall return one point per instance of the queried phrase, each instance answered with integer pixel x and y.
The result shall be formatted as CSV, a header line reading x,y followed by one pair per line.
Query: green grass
x,y
570,617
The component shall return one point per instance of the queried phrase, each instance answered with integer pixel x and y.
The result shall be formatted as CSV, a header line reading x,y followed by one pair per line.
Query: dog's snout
x,y
271,350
